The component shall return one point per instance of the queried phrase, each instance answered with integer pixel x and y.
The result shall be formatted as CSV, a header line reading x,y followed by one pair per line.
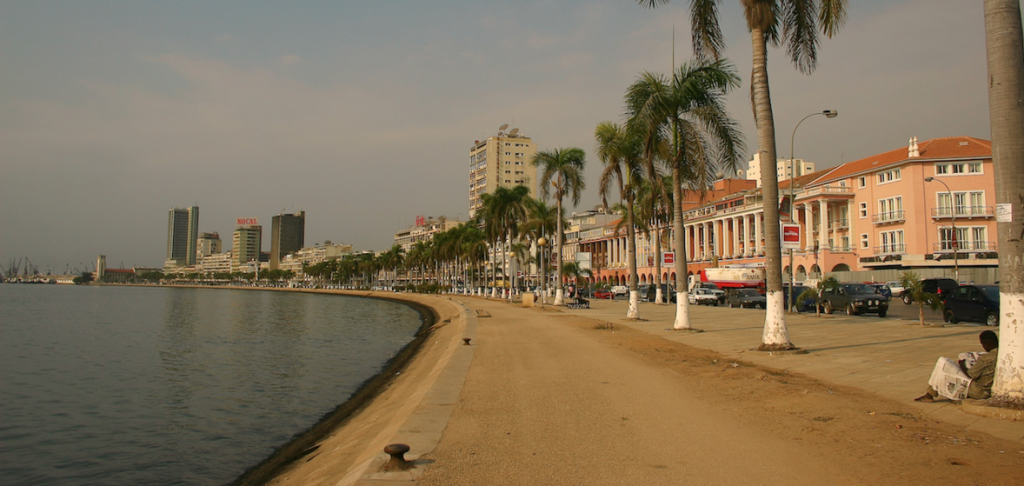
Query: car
x,y
855,298
745,298
703,296
895,286
620,290
939,286
719,293
973,303
648,292
882,289
806,304
603,294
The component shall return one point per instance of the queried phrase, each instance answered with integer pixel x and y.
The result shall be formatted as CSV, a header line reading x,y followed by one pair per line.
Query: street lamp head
x,y
542,241
830,113
929,179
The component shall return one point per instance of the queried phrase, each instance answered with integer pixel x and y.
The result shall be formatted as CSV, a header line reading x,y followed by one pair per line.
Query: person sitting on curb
x,y
948,378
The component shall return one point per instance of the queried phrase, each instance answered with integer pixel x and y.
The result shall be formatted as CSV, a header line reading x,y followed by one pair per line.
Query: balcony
x,y
841,224
966,212
890,249
965,246
829,190
888,217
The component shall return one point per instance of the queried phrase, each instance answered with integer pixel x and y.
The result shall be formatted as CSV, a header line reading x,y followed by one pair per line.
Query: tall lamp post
x,y
952,222
792,195
541,243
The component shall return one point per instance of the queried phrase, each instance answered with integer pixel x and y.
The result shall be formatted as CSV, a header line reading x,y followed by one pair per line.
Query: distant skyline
x,y
362,113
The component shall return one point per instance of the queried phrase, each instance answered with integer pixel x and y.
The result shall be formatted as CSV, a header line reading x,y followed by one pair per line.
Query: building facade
x,y
782,168
504,160
875,213
208,244
287,235
182,233
245,245
424,230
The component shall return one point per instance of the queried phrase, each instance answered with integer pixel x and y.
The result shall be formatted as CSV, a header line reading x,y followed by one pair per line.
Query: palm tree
x,y
651,216
563,170
504,210
574,273
793,24
685,120
541,221
1005,52
619,150
914,287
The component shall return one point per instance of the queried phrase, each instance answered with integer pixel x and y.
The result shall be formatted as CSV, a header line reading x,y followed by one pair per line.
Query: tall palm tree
x,y
619,150
1005,52
505,209
563,170
792,24
651,214
541,221
683,120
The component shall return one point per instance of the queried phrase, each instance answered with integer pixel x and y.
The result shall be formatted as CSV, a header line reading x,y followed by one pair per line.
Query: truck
x,y
730,278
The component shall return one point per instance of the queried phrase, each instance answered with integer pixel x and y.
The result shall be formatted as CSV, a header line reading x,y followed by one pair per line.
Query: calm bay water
x,y
123,385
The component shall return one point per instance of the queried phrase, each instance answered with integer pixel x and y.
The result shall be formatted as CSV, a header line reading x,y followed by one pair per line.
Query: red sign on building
x,y
420,220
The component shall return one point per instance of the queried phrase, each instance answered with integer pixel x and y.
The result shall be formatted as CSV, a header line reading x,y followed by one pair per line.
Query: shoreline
x,y
306,443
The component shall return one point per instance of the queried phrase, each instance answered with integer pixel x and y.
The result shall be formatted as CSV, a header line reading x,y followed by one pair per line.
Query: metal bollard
x,y
397,461
466,341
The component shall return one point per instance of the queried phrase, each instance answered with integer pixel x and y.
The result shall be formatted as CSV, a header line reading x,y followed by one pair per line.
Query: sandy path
x,y
549,399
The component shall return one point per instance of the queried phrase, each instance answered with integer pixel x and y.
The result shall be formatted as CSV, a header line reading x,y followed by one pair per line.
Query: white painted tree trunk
x,y
775,335
658,297
634,305
1005,53
682,311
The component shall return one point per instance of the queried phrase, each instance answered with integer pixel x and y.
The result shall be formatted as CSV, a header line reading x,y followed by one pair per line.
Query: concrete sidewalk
x,y
889,357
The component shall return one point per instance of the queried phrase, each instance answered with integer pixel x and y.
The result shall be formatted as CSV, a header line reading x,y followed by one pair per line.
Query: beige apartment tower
x,y
504,160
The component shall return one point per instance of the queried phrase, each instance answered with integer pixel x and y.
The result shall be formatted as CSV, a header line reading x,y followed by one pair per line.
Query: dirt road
x,y
556,399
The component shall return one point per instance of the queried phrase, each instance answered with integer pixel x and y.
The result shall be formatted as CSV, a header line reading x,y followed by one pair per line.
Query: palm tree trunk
x,y
559,294
775,336
682,321
658,300
1006,114
633,312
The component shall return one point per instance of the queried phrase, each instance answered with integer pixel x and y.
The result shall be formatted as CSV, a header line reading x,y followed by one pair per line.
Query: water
x,y
122,385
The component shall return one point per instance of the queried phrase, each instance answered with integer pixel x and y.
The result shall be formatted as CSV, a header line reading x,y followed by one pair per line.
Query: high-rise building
x,y
287,235
782,169
504,160
245,244
208,244
182,233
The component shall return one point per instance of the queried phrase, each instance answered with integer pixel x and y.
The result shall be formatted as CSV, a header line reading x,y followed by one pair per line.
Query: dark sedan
x,y
974,303
745,298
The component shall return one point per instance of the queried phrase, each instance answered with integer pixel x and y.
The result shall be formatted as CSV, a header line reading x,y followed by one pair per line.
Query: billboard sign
x,y
583,259
246,222
790,236
668,259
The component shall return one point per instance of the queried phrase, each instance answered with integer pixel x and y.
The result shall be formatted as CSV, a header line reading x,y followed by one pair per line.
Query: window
x,y
892,242
974,168
508,153
889,176
947,241
941,169
864,242
958,168
978,238
862,181
842,183
890,209
863,210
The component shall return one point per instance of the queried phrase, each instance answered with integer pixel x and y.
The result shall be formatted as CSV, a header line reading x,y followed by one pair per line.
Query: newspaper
x,y
949,380
970,358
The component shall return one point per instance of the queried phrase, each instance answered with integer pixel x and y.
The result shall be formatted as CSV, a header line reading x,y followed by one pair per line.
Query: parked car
x,y
703,296
882,289
806,304
603,294
719,293
648,292
974,303
855,298
896,287
939,286
620,290
745,298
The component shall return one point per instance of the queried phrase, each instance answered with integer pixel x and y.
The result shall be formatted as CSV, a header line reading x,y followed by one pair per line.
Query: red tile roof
x,y
934,149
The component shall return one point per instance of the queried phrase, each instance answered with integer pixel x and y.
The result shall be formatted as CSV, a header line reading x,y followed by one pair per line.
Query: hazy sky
x,y
362,113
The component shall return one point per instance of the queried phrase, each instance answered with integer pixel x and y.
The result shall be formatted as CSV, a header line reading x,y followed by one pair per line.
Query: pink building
x,y
877,212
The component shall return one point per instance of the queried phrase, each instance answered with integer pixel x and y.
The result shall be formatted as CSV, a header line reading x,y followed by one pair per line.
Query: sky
x,y
362,113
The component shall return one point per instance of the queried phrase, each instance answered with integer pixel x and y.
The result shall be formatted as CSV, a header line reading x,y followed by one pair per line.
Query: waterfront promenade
x,y
558,396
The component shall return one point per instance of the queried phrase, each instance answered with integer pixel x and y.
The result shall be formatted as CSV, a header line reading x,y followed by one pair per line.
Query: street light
x,y
952,222
792,196
541,243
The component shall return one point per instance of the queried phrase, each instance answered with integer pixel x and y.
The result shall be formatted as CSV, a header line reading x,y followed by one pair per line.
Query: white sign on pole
x,y
668,259
583,259
1004,213
790,236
